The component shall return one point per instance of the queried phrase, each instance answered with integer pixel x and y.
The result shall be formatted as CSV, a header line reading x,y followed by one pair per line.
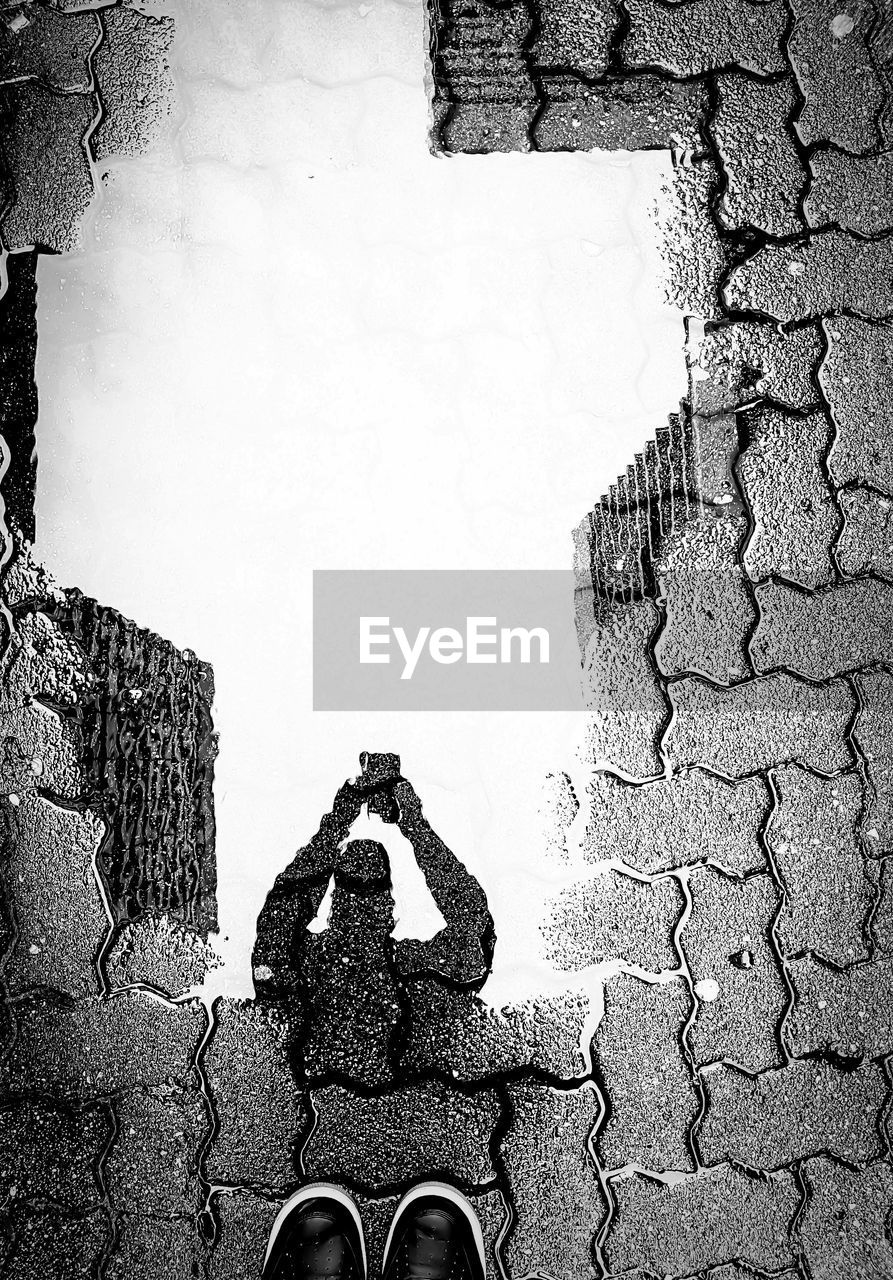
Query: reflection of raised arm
x,y
294,901
462,951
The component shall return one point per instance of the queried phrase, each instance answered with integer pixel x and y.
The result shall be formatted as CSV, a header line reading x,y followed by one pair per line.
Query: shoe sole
x,y
444,1190
314,1191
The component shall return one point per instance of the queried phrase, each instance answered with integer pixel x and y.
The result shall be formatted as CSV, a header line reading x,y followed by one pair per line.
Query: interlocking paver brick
x,y
558,1201
148,1247
703,35
873,733
51,747
153,1162
676,822
709,611
813,834
826,633
855,192
782,473
844,1012
741,993
775,1118
623,692
845,1227
719,1216
695,256
576,35
159,952
259,1108
653,1105
857,378
49,47
51,178
764,174
760,723
406,1135
830,53
50,1244
831,271
456,1033
135,82
92,1048
53,893
882,922
866,541
734,364
634,113
243,1220
52,1153
614,916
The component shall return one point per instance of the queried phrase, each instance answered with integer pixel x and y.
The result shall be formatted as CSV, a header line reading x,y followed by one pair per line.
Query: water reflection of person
x,y
341,988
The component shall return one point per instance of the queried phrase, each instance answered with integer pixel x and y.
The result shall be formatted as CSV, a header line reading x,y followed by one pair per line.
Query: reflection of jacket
x,y
343,987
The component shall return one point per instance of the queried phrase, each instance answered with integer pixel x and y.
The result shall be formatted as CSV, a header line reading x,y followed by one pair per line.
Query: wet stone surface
x,y
782,475
408,1135
51,1153
813,834
623,692
845,1228
135,82
50,171
147,1246
55,900
613,916
51,49
260,1111
577,35
709,610
764,174
737,980
857,377
836,630
720,1216
735,363
855,192
651,1109
702,35
759,724
680,821
873,734
153,1162
552,1179
456,1033
845,1013
831,271
160,953
93,1048
637,112
830,50
771,1120
866,541
47,1243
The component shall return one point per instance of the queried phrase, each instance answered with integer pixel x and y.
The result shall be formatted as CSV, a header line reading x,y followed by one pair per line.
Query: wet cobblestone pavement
x,y
726,1113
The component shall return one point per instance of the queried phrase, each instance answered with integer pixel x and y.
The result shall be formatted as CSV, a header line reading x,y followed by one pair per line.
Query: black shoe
x,y
435,1235
318,1235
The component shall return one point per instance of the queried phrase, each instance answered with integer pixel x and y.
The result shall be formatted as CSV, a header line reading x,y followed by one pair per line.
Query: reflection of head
x,y
362,865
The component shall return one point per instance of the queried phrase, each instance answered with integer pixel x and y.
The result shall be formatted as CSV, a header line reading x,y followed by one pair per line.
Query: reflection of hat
x,y
362,863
